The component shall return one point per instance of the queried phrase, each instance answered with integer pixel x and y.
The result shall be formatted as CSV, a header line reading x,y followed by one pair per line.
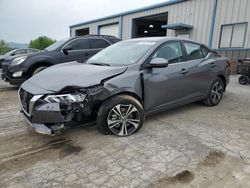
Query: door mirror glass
x,y
158,63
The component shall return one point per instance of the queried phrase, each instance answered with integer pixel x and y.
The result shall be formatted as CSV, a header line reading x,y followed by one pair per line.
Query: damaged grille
x,y
25,98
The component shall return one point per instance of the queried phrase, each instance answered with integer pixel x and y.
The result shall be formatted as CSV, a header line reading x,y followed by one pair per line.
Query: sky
x,y
24,20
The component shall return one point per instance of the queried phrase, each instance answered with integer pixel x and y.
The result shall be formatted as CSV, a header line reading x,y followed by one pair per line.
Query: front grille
x,y
4,69
25,98
5,65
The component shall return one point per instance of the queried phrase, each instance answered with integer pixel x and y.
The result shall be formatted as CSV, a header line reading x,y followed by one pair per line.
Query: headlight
x,y
76,97
18,60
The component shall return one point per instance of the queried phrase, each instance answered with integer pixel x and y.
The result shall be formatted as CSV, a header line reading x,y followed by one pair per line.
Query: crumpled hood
x,y
59,76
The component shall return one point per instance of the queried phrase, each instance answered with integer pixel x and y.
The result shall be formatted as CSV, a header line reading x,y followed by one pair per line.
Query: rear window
x,y
80,44
205,51
193,51
98,43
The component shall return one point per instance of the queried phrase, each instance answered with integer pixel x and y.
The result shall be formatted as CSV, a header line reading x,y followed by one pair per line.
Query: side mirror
x,y
158,63
66,49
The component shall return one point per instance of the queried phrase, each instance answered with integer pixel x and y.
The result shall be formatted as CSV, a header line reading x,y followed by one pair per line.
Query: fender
x,y
36,60
125,83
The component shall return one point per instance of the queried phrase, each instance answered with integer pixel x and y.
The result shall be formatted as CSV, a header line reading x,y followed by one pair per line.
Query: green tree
x,y
3,47
41,42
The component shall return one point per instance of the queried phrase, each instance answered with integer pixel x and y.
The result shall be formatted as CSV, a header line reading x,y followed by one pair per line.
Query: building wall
x,y
193,12
93,27
197,13
231,11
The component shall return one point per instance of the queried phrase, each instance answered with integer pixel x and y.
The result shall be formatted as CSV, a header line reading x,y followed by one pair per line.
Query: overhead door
x,y
110,30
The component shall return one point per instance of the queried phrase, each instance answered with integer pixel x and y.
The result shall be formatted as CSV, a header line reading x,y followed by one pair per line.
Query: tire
x,y
39,69
112,117
215,93
244,80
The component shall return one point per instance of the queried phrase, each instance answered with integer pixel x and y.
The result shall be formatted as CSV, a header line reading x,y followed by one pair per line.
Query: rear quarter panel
x,y
222,68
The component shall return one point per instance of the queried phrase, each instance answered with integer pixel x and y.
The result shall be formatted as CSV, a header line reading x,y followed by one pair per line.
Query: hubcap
x,y
217,91
123,119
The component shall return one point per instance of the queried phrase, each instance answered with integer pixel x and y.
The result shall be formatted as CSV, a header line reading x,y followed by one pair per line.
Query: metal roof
x,y
177,26
170,2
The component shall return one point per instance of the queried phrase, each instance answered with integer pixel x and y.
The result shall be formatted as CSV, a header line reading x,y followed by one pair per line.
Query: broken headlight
x,y
75,97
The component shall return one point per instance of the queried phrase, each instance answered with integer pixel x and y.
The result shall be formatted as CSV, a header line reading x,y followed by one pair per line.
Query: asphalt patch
x,y
69,149
213,158
183,177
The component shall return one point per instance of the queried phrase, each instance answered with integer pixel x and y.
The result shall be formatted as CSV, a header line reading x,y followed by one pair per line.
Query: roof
x,y
156,39
148,39
177,26
166,3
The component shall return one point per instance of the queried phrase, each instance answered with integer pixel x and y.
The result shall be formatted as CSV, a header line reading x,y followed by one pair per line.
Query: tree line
x,y
39,43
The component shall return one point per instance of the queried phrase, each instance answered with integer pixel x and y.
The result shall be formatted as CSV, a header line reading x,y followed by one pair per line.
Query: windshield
x,y
55,45
121,53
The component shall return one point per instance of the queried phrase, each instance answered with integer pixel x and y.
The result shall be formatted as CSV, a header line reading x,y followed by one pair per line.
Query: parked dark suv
x,y
124,82
16,70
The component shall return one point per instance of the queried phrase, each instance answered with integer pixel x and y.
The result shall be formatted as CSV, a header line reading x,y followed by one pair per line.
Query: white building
x,y
220,24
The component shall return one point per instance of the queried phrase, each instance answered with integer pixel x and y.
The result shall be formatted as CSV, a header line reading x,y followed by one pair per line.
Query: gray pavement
x,y
192,146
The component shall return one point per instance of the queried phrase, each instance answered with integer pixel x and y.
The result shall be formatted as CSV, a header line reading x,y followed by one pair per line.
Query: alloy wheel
x,y
123,119
217,92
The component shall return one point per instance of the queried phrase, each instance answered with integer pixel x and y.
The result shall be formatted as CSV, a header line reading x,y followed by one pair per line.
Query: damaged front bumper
x,y
49,115
40,128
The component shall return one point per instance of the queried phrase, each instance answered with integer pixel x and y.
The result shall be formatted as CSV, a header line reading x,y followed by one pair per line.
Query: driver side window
x,y
170,51
79,44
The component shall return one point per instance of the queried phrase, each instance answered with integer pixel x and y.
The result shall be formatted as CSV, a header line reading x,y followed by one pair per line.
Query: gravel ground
x,y
192,146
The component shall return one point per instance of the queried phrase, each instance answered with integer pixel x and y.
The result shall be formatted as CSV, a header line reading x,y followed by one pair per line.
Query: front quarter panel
x,y
128,82
52,57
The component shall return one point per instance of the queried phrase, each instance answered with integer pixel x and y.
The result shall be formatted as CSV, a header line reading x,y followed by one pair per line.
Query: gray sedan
x,y
122,84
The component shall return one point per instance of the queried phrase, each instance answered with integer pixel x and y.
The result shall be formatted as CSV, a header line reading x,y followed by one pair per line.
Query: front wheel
x,y
39,69
216,93
122,115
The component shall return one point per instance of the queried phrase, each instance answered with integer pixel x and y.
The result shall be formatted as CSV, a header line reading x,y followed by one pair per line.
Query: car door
x,y
165,86
97,45
77,50
198,76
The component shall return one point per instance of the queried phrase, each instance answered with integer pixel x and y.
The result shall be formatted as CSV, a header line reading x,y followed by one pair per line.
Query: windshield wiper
x,y
101,64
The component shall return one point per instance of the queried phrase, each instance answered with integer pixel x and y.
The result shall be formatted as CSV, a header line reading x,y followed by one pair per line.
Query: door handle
x,y
212,65
184,71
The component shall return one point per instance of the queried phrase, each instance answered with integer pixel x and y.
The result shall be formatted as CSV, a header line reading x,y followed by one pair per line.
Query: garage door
x,y
110,30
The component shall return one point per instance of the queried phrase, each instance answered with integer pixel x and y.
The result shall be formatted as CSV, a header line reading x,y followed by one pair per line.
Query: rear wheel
x,y
244,80
215,93
38,69
121,115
